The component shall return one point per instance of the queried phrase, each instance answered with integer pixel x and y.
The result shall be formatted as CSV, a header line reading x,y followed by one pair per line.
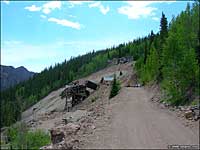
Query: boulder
x,y
166,105
194,108
188,114
196,117
93,127
196,114
181,108
74,116
57,135
188,108
67,120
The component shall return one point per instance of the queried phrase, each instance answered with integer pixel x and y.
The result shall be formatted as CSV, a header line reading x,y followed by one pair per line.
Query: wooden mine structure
x,y
122,60
76,93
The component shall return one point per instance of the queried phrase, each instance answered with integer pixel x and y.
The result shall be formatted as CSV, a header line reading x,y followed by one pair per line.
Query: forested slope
x,y
174,62
170,58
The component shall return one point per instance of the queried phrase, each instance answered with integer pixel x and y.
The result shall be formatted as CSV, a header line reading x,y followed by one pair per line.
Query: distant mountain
x,y
10,76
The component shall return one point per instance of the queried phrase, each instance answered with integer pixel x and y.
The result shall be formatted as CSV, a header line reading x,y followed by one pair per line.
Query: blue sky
x,y
38,34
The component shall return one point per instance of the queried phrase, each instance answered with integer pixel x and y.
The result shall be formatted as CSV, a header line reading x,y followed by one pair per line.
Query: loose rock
x,y
47,147
188,114
56,136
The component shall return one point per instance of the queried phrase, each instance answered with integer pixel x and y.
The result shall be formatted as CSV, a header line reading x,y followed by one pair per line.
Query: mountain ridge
x,y
11,76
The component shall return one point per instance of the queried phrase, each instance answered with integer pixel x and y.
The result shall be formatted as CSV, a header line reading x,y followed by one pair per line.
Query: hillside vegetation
x,y
173,60
21,138
170,58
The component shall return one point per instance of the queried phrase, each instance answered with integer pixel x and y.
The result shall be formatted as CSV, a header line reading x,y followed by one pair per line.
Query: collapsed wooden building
x,y
124,60
76,93
121,60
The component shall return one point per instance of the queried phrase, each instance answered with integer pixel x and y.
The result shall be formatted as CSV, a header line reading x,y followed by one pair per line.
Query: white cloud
x,y
33,8
66,23
73,3
49,6
43,16
137,9
46,8
6,1
104,10
96,4
155,18
53,5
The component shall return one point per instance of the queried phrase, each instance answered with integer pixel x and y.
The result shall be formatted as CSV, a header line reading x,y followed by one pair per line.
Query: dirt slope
x,y
48,112
136,123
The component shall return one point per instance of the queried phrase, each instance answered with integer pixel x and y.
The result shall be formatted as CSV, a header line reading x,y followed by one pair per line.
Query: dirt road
x,y
136,123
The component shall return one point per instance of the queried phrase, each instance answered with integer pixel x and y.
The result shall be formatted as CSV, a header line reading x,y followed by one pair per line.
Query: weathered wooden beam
x,y
91,85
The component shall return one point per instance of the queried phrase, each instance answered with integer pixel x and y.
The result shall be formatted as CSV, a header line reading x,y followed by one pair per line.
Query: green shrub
x,y
20,138
93,99
37,139
195,102
115,87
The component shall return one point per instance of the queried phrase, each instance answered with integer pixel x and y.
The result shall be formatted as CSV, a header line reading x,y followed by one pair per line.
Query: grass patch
x,y
20,138
194,102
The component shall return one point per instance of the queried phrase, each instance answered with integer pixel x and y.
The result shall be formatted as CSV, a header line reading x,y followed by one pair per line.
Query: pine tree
x,y
151,37
119,53
197,49
163,28
108,55
145,50
163,36
115,88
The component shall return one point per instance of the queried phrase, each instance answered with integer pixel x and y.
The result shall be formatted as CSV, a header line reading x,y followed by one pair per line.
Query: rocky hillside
x,y
10,76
